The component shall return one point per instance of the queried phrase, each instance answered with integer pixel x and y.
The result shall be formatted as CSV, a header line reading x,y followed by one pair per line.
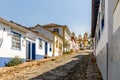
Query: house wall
x,y
40,52
107,47
60,29
114,40
44,32
50,53
6,51
68,39
31,37
58,51
64,34
50,36
102,40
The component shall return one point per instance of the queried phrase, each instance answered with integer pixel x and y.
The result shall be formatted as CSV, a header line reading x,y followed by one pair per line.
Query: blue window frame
x,y
16,40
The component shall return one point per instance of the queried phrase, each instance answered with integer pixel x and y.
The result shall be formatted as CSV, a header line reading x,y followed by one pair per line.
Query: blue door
x,y
33,51
46,44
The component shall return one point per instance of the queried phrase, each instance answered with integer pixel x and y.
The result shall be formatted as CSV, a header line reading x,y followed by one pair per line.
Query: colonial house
x,y
56,40
63,31
12,41
17,40
106,33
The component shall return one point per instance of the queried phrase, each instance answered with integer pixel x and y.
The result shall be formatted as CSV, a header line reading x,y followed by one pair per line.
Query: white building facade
x,y
16,40
106,30
12,41
64,32
55,43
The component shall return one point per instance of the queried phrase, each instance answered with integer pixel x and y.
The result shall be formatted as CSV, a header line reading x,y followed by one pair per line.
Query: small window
x,y
56,30
102,23
40,43
50,47
99,35
16,40
60,46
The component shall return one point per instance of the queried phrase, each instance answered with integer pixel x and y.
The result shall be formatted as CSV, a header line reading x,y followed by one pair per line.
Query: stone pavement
x,y
79,71
68,67
92,72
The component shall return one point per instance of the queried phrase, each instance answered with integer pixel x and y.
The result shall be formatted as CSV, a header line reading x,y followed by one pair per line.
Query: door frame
x,y
30,50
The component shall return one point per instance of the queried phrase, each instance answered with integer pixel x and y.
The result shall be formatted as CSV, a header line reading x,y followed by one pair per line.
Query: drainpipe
x,y
107,63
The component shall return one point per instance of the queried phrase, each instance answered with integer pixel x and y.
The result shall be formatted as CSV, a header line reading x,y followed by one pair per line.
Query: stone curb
x,y
10,70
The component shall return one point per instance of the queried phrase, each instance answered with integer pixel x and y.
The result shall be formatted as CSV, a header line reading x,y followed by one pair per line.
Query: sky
x,y
76,14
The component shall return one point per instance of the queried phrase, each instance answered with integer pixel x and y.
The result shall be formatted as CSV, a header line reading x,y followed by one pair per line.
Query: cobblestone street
x,y
68,67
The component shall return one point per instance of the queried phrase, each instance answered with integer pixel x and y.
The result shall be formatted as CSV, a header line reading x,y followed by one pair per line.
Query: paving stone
x,y
92,72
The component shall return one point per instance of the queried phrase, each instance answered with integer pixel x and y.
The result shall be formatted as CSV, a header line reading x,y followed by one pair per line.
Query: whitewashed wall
x,y
44,32
116,18
47,34
50,53
114,48
40,52
68,39
101,48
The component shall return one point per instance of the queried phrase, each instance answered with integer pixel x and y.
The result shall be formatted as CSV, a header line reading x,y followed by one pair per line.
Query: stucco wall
x,y
102,61
111,9
116,18
101,48
50,36
40,52
114,45
50,53
44,32
115,56
58,51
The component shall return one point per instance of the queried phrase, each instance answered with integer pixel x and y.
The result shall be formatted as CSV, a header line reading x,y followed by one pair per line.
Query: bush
x,y
71,51
15,61
66,52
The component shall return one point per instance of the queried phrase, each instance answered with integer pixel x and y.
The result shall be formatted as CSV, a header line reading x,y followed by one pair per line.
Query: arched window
x,y
56,30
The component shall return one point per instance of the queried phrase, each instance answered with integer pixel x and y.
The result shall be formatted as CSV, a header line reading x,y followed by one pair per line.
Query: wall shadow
x,y
60,72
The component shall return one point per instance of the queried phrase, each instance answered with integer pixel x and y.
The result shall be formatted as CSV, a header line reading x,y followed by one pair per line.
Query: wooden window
x,y
16,40
56,30
40,43
60,46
